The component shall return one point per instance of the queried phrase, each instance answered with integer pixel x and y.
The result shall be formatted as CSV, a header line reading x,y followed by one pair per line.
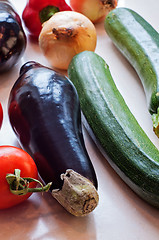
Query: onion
x,y
95,10
64,35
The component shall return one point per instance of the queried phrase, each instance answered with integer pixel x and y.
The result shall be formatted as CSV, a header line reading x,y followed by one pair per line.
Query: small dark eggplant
x,y
44,112
12,36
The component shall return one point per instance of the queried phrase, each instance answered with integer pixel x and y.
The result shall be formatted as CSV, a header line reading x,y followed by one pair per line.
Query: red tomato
x,y
1,115
12,158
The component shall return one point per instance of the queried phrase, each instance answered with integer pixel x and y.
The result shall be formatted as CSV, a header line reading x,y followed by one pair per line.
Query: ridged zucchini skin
x,y
114,128
138,41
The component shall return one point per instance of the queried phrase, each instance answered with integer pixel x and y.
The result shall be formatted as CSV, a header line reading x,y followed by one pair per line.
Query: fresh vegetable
x,y
64,35
139,43
18,176
113,127
95,10
1,115
37,12
44,112
13,39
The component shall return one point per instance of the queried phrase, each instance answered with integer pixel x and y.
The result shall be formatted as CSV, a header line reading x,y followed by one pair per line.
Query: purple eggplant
x,y
12,36
44,112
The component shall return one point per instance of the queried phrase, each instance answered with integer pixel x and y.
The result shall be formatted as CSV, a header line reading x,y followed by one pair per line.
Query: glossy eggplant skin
x,y
44,112
12,36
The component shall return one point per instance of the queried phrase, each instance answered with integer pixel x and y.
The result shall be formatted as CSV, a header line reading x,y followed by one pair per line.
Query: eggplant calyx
x,y
20,186
78,195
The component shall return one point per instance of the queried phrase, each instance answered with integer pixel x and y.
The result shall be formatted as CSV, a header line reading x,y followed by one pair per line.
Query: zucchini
x,y
114,128
138,41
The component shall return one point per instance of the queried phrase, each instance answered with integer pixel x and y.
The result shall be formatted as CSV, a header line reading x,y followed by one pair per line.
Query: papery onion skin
x,y
95,10
64,35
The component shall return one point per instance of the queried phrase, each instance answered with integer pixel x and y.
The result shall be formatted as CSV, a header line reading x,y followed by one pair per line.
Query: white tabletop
x,y
121,214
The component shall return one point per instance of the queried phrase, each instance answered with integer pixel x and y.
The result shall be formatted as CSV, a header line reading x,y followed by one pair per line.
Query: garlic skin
x,y
64,35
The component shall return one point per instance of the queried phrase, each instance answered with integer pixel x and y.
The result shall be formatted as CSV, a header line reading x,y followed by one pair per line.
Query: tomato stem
x,y
20,186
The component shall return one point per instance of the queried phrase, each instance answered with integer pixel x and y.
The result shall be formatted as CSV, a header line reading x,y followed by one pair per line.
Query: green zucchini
x,y
114,128
138,41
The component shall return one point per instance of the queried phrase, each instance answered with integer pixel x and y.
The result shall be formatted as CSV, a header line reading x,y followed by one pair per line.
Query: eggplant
x,y
44,112
12,36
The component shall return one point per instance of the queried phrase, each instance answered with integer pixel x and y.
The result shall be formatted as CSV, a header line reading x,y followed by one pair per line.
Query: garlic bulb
x,y
64,35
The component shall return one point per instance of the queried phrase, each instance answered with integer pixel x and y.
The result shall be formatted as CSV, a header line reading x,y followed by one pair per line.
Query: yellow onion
x,y
64,35
95,10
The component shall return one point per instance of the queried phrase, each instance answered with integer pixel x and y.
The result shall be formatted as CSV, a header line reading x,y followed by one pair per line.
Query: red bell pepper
x,y
37,12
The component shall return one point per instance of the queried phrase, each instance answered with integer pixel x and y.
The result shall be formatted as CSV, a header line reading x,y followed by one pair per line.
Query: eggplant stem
x,y
78,194
20,186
